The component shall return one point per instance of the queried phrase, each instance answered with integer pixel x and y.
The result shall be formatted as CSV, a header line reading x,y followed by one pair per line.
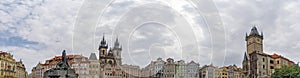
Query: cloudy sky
x,y
206,31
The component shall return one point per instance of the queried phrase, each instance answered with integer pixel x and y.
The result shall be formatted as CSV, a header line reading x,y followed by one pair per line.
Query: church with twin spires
x,y
110,60
109,55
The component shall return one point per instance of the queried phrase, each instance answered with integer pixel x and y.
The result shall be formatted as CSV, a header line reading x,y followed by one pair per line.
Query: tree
x,y
287,72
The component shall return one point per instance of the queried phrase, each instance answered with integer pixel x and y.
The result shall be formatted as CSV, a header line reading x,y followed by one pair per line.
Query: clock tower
x,y
254,41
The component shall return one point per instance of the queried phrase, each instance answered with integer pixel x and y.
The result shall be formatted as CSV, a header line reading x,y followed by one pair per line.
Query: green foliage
x,y
287,72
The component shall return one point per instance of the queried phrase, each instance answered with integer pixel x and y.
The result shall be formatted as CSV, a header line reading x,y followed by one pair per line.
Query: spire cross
x,y
103,36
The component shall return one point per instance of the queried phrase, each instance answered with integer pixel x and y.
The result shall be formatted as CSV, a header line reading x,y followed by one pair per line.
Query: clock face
x,y
258,40
254,40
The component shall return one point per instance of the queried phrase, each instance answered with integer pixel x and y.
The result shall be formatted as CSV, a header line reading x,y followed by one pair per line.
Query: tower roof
x,y
117,44
254,31
93,56
103,42
245,57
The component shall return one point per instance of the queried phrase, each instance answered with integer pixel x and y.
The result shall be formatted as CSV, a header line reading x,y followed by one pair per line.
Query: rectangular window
x,y
271,67
271,61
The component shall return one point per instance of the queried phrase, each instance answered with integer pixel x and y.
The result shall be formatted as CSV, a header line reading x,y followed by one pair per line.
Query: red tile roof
x,y
276,56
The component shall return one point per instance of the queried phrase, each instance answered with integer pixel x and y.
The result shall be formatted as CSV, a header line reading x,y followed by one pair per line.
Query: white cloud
x,y
48,23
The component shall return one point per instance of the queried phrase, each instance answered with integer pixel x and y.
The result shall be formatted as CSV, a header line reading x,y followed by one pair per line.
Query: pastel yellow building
x,y
10,68
223,72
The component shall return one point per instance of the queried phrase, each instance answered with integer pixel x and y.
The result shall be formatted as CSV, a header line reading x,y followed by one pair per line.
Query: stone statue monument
x,y
62,69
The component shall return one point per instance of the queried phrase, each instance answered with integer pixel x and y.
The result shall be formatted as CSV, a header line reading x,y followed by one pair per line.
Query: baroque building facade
x,y
234,71
181,69
130,71
170,69
94,66
209,71
258,64
192,70
10,68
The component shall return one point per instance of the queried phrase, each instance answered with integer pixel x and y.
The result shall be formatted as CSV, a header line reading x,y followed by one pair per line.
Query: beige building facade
x,y
130,71
170,68
94,66
209,71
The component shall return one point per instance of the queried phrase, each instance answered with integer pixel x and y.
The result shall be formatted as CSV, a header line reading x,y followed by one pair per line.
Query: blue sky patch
x,y
16,41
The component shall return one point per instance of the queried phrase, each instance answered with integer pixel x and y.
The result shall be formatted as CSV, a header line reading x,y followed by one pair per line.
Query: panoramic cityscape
x,y
255,64
149,39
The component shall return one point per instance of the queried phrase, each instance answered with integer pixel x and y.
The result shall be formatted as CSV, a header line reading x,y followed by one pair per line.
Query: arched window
x,y
110,62
103,51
